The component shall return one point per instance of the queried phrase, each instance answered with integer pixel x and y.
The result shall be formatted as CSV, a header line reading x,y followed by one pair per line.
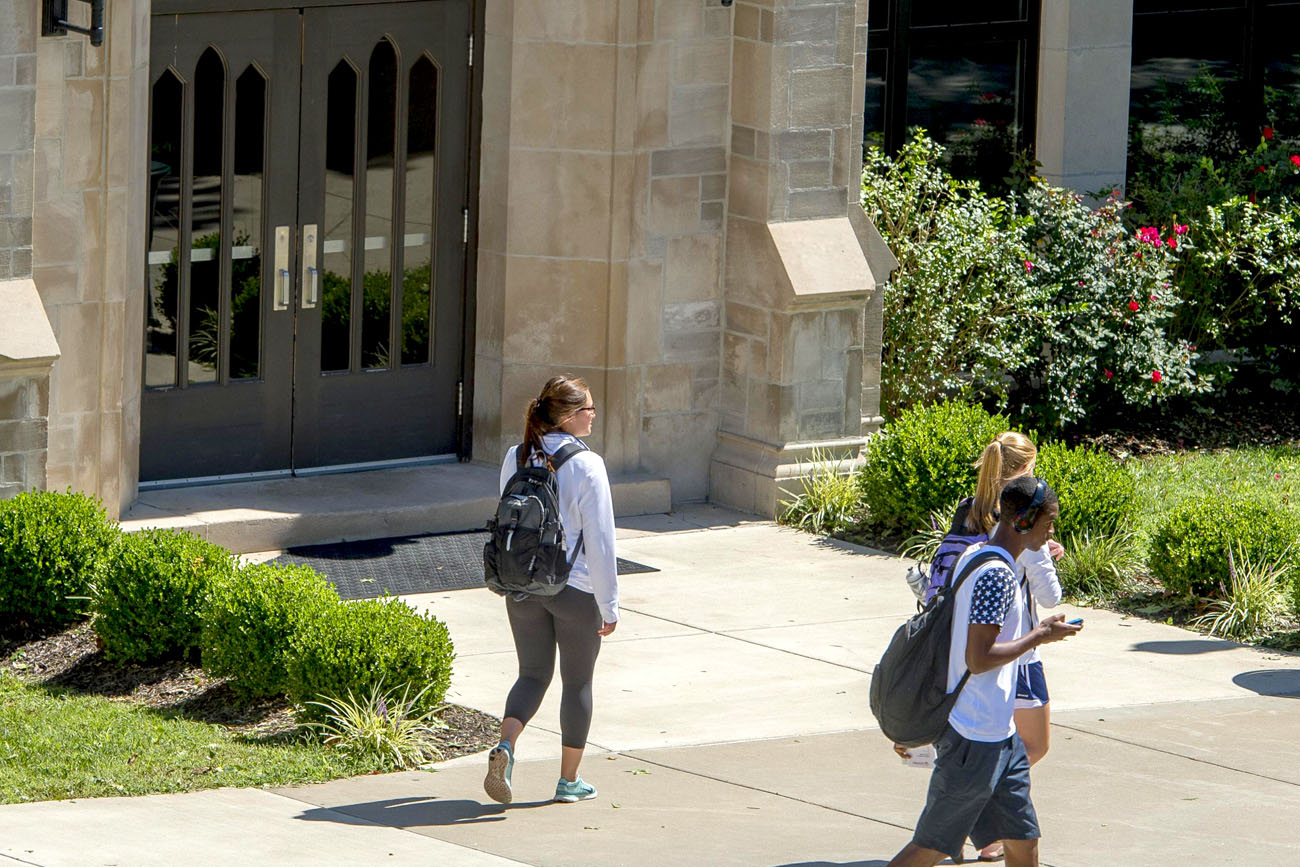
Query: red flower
x,y
1295,158
1251,198
1261,170
979,121
1156,376
1106,371
1268,133
1172,242
1134,306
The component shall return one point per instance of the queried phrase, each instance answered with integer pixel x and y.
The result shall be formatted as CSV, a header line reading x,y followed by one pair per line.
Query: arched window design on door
x,y
203,262
380,201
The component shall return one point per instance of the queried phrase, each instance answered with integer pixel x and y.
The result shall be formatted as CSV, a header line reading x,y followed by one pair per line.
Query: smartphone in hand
x,y
1078,621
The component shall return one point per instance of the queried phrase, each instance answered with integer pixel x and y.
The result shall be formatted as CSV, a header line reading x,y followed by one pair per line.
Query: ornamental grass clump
x,y
1250,601
1097,567
829,499
382,725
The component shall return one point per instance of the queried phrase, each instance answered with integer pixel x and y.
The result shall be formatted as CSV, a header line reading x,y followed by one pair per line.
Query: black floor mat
x,y
406,564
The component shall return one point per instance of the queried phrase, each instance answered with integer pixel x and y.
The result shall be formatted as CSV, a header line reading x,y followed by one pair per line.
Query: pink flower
x,y
1156,376
1029,266
1295,158
1080,284
1134,306
1180,230
979,121
1277,476
1149,235
1268,133
1107,372
1153,297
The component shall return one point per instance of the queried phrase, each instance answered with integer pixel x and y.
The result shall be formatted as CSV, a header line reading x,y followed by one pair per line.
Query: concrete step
x,y
275,514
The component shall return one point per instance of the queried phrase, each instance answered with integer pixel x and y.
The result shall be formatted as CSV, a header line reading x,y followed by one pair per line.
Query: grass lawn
x,y
55,744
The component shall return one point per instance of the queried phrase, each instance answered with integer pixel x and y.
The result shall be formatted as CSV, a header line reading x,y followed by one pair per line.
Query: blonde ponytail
x,y
1009,455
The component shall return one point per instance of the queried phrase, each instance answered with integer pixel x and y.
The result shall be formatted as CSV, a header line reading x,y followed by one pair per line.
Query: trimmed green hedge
x,y
1098,495
53,549
924,461
250,620
150,600
1189,552
355,645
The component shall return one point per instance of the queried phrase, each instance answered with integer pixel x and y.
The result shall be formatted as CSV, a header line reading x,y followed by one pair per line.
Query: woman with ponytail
x,y
1009,456
574,620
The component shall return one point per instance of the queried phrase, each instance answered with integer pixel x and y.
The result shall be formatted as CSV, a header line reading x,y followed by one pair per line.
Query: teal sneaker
x,y
578,790
501,761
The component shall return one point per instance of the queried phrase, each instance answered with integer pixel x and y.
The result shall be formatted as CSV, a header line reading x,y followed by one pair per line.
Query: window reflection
x,y
246,225
421,207
205,219
336,233
162,255
376,318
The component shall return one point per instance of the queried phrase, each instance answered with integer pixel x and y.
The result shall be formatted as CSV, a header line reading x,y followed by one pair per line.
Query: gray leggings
x,y
568,620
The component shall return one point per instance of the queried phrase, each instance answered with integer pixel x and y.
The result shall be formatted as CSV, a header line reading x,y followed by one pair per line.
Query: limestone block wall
x,y
19,25
27,349
602,201
89,212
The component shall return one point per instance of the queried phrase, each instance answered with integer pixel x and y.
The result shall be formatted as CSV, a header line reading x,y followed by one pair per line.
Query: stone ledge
x,y
281,513
27,343
755,476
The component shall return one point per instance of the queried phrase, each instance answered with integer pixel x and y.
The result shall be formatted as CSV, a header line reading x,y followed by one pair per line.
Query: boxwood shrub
x,y
149,603
250,619
355,645
1098,494
53,547
924,460
1189,551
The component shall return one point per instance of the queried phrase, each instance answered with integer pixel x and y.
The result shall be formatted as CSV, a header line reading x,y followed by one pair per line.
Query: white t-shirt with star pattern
x,y
991,595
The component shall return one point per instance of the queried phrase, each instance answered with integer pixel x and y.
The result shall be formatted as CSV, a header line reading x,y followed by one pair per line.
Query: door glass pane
x,y
162,252
246,225
1282,74
376,320
966,96
205,218
421,184
336,263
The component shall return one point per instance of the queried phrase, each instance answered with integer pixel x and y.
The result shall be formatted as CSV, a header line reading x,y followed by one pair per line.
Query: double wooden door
x,y
306,261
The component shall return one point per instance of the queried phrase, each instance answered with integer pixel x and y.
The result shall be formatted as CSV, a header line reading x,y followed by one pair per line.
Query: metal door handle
x,y
310,273
282,284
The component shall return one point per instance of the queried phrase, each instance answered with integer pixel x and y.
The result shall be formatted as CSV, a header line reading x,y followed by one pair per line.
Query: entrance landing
x,y
275,514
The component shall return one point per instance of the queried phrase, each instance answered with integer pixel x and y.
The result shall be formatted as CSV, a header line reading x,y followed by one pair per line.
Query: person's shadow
x,y
416,812
872,863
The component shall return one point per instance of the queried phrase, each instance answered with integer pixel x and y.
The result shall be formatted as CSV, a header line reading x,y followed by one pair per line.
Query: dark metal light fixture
x,y
54,20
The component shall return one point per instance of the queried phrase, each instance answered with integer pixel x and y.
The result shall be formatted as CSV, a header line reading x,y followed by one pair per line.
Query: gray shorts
x,y
978,790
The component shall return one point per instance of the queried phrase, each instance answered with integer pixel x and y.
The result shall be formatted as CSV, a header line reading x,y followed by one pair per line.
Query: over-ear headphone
x,y
1026,517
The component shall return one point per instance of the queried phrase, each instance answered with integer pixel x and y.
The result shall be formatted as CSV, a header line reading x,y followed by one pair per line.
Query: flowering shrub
x,y
1108,309
1035,290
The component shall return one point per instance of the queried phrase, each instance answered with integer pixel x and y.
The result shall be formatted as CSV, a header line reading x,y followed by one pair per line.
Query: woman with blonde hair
x,y
1010,455
575,619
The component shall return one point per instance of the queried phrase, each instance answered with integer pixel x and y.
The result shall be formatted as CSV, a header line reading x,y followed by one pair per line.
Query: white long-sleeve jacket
x,y
586,507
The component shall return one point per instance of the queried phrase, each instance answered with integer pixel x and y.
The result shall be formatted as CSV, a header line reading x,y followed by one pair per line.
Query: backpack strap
x,y
563,453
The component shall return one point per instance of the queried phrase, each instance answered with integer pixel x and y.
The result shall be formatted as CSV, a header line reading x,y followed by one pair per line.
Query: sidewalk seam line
x,y
735,637
1176,755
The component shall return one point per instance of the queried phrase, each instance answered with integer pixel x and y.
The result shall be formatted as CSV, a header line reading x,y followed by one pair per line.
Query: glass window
x,y
205,218
377,288
421,208
336,233
873,119
966,97
246,226
929,13
162,256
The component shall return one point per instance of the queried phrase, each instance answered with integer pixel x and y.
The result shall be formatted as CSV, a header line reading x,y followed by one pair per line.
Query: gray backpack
x,y
909,688
526,554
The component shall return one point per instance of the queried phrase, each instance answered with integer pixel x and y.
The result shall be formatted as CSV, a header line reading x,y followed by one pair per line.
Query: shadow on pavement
x,y
873,863
1279,682
1186,646
416,812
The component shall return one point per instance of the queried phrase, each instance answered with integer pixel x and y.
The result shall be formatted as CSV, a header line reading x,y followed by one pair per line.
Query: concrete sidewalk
x,y
732,727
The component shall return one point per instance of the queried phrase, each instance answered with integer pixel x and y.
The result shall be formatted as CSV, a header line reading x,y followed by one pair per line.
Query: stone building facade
x,y
661,198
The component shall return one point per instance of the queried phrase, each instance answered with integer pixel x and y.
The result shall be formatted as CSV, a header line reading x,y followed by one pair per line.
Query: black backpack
x,y
526,554
909,688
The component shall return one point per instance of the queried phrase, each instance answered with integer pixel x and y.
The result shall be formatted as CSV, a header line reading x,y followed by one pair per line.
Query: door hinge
x,y
460,398
464,225
471,51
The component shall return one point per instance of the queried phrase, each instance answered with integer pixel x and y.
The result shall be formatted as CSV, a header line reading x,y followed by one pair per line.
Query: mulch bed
x,y
72,660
